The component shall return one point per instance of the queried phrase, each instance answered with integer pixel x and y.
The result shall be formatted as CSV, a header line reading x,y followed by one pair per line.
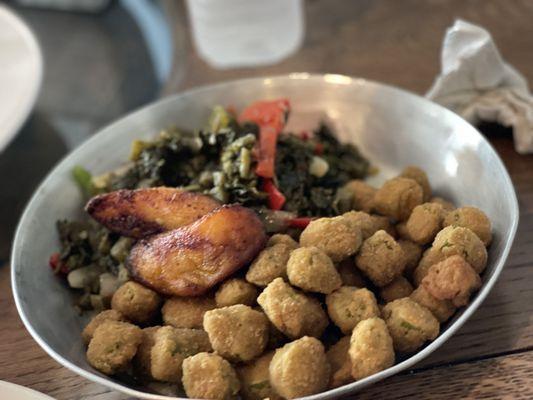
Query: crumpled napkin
x,y
477,84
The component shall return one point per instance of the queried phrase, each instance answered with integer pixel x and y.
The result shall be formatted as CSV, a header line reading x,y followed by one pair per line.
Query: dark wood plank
x,y
509,377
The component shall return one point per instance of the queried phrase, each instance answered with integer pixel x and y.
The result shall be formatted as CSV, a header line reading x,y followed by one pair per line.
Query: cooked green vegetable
x,y
219,160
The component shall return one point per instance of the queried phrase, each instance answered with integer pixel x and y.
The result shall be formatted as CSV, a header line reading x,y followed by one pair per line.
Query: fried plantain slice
x,y
142,212
189,260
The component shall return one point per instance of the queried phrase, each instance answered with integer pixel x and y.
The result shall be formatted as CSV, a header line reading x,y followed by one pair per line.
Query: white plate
x,y
21,70
15,392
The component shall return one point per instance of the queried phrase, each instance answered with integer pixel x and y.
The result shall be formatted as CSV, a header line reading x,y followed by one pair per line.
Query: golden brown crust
x,y
413,254
300,368
441,309
425,222
188,261
410,324
236,291
340,363
142,212
452,279
186,312
397,198
473,219
418,174
348,306
97,320
255,379
136,302
397,289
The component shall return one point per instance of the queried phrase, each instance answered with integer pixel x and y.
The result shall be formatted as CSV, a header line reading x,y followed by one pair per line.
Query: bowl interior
x,y
392,127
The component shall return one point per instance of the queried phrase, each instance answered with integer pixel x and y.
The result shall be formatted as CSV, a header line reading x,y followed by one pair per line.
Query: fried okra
x,y
310,269
397,198
236,291
398,288
359,195
270,264
412,253
418,175
410,324
113,345
209,376
430,257
143,358
255,379
237,333
171,346
472,218
97,320
350,305
300,368
462,241
401,230
441,309
452,279
381,258
136,302
292,312
350,275
371,348
282,238
425,222
368,223
340,363
186,312
334,236
446,205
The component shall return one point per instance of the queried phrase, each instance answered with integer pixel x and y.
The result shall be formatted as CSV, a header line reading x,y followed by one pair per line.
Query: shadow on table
x,y
35,150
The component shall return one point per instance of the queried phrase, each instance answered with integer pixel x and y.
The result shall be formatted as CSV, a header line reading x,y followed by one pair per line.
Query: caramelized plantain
x,y
189,260
142,212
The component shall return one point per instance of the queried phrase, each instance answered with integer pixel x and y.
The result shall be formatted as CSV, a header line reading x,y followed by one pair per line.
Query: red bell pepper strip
x,y
276,199
300,222
57,265
271,117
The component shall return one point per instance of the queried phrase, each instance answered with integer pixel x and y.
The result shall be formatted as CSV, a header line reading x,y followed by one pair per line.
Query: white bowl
x,y
392,127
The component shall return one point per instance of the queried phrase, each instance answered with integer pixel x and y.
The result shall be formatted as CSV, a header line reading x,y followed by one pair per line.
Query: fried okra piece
x,y
209,376
186,312
368,223
472,218
452,279
236,291
270,264
381,258
292,312
358,195
310,269
136,302
410,324
334,236
397,198
300,368
255,379
418,175
446,205
350,305
350,275
425,222
463,242
113,346
340,363
143,358
238,333
441,309
97,320
397,289
413,254
371,349
282,238
172,346
431,256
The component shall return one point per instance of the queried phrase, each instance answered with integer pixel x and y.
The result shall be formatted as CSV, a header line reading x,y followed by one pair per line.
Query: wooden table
x,y
397,42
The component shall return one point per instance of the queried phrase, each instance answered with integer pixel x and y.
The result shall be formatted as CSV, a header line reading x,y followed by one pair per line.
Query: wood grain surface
x,y
396,42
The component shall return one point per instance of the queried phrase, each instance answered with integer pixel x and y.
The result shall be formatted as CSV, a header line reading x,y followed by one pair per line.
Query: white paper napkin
x,y
476,83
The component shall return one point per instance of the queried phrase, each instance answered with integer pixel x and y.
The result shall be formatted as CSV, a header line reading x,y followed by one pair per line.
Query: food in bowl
x,y
280,273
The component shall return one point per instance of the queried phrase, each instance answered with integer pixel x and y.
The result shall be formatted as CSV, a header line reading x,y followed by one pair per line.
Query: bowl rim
x,y
304,76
